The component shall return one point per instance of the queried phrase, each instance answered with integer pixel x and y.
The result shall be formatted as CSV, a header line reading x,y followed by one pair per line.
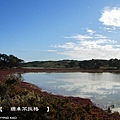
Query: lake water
x,y
102,88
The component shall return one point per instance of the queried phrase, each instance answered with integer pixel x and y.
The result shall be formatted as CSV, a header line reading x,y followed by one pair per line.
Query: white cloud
x,y
52,50
90,31
100,36
95,46
79,37
106,52
111,16
110,29
68,45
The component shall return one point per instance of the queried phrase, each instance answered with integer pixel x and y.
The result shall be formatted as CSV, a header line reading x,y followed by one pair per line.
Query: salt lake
x,y
102,88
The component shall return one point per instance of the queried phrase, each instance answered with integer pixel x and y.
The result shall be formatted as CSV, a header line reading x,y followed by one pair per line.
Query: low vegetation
x,y
11,61
32,104
111,64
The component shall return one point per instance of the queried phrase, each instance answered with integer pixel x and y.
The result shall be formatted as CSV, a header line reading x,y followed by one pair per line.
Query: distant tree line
x,y
9,61
85,64
96,64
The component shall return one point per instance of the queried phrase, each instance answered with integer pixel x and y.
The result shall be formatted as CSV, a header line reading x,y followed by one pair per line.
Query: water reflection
x,y
103,88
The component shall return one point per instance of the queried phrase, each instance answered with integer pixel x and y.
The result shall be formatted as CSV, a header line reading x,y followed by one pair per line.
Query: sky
x,y
41,30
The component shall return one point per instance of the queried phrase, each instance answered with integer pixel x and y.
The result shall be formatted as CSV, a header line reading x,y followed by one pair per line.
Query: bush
x,y
13,79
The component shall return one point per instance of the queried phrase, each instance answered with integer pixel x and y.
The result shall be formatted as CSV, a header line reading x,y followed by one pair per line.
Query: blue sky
x,y
60,29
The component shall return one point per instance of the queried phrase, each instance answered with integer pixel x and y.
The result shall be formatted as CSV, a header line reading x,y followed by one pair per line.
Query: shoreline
x,y
74,100
32,87
50,70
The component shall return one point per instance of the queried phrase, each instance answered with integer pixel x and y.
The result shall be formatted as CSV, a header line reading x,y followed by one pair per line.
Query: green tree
x,y
9,61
